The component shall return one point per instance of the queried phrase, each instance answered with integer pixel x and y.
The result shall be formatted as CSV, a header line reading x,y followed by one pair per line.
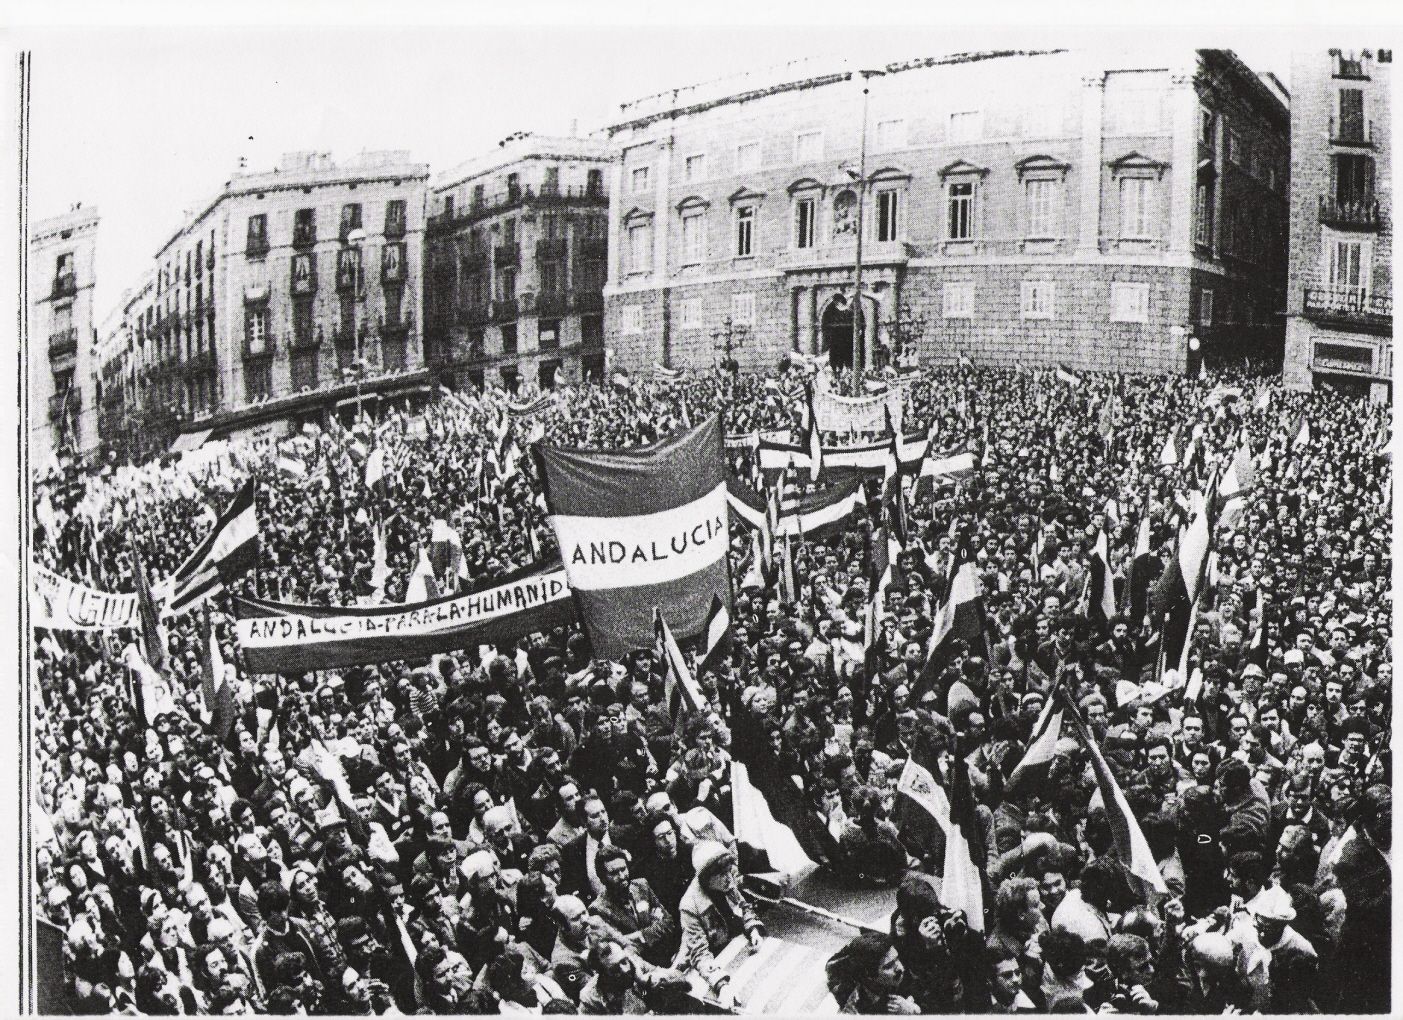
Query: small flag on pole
x,y
1066,375
716,635
684,696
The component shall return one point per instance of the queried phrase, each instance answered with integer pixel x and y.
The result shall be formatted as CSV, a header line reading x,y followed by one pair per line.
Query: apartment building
x,y
288,292
62,270
1339,330
1120,211
515,255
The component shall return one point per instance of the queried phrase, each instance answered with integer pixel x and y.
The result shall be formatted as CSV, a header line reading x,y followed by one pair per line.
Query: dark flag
x,y
642,528
961,618
153,635
218,697
229,551
815,438
716,636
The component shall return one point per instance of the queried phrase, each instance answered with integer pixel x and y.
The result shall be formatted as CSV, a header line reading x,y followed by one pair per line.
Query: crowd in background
x,y
523,828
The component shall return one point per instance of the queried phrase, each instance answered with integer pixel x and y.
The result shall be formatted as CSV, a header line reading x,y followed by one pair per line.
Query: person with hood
x,y
714,911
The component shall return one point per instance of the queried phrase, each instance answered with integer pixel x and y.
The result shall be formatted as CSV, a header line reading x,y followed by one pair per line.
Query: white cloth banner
x,y
59,604
625,552
856,414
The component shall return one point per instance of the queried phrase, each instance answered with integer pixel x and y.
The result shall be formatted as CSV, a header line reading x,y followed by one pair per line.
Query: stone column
x,y
1183,170
797,309
815,327
1089,205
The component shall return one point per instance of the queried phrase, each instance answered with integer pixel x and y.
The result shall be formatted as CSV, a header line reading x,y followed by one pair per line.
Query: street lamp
x,y
859,339
356,239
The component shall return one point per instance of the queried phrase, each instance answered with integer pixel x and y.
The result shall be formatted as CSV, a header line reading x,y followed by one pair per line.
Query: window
x,y
1236,155
1350,126
804,222
350,219
256,329
743,309
509,339
304,227
392,261
640,247
304,321
958,301
258,381
696,168
550,277
394,217
594,183
1203,214
1130,302
304,274
967,126
513,187
961,203
479,195
748,156
448,206
1041,199
1135,195
631,319
808,146
1205,308
888,215
257,241
745,231
694,236
550,226
506,284
548,334
348,269
891,134
1353,179
1349,265
551,184
1205,125
1039,299
639,178
690,313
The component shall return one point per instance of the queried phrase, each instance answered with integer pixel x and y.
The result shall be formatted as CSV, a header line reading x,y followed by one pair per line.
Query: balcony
x,y
63,342
551,248
508,198
507,255
256,247
258,350
304,237
1356,214
396,328
1350,308
551,303
307,339
394,228
1352,131
65,286
67,403
505,310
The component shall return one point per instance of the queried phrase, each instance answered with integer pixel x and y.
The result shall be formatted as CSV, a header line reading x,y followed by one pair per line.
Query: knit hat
x,y
709,857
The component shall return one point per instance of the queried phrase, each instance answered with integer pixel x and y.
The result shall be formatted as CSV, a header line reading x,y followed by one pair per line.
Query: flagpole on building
x,y
859,325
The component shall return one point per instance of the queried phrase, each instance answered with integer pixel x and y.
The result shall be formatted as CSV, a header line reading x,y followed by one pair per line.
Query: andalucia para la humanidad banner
x,y
283,638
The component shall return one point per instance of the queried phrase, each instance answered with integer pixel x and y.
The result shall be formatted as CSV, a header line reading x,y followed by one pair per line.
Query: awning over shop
x,y
190,441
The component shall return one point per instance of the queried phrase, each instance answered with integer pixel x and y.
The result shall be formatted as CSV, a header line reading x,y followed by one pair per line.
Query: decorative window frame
x,y
1137,166
957,299
745,198
1027,289
690,208
687,167
1041,167
889,179
636,217
647,170
962,172
802,190
1141,314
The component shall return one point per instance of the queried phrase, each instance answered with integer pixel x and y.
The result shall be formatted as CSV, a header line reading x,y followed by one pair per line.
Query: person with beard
x,y
631,908
666,864
569,813
474,767
515,773
623,984
867,977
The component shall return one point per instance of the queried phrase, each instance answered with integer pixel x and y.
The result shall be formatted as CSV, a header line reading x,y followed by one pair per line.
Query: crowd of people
x,y
523,828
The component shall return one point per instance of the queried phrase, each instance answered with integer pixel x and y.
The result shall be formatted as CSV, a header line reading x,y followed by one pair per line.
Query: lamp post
x,y
859,330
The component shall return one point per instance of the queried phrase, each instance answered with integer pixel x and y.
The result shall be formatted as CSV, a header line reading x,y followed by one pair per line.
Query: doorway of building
x,y
837,326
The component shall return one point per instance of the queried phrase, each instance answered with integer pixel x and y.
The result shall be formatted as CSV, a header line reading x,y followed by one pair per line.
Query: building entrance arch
x,y
837,327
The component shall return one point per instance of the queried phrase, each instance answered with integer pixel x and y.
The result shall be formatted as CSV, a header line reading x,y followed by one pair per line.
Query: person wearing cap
x,y
713,911
1293,962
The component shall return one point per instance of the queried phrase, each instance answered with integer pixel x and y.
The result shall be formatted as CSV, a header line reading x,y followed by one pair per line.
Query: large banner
x,y
59,604
281,638
856,414
862,457
642,528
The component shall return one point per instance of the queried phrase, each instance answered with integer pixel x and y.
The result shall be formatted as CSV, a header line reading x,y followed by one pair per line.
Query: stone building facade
x,y
1018,207
62,269
516,264
287,291
1340,306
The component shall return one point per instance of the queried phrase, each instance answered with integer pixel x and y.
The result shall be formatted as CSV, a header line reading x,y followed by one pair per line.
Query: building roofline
x,y
1270,103
797,85
251,184
555,148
